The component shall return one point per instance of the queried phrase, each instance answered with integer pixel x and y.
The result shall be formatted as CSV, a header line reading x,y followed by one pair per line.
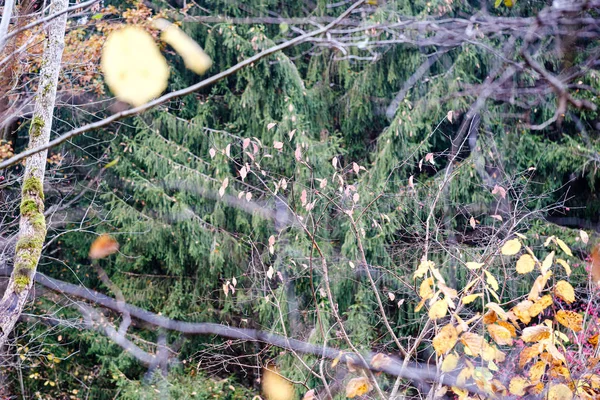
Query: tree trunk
x,y
32,226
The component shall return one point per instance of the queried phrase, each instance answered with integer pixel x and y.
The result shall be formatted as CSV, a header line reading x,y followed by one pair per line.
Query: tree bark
x,y
32,224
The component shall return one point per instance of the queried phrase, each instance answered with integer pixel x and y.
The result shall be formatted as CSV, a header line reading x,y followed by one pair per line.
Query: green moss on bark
x,y
32,185
29,207
37,125
21,283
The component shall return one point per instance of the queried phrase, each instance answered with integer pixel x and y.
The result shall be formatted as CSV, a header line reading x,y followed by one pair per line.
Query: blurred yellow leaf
x,y
500,334
498,310
511,247
570,319
423,268
103,246
445,340
310,395
565,291
470,298
438,309
193,56
133,67
491,280
536,333
275,387
425,290
357,387
525,264
560,392
450,362
474,265
565,265
528,353
521,311
517,386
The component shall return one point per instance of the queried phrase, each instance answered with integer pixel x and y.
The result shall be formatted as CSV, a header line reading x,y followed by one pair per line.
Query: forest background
x,y
371,199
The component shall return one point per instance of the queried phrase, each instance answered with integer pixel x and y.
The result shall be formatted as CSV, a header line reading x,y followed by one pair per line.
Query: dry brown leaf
x,y
445,340
511,247
593,340
380,361
536,333
357,387
439,309
528,353
490,317
570,319
103,246
525,264
565,291
560,392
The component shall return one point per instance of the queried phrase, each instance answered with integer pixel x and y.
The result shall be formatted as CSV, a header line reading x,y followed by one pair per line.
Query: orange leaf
x,y
103,246
500,334
570,319
536,333
445,340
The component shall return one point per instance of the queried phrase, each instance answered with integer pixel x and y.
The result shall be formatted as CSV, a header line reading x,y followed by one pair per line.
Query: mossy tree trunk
x,y
32,226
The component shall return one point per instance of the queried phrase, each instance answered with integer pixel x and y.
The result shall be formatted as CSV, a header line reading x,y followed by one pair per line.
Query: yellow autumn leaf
x,y
540,305
560,392
445,340
450,362
511,247
536,371
470,298
193,56
474,265
517,385
563,246
275,387
438,309
547,263
509,3
133,67
498,310
336,360
539,285
423,268
473,342
528,353
500,334
491,280
525,264
521,311
357,387
565,291
565,265
310,395
570,319
425,290
536,333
